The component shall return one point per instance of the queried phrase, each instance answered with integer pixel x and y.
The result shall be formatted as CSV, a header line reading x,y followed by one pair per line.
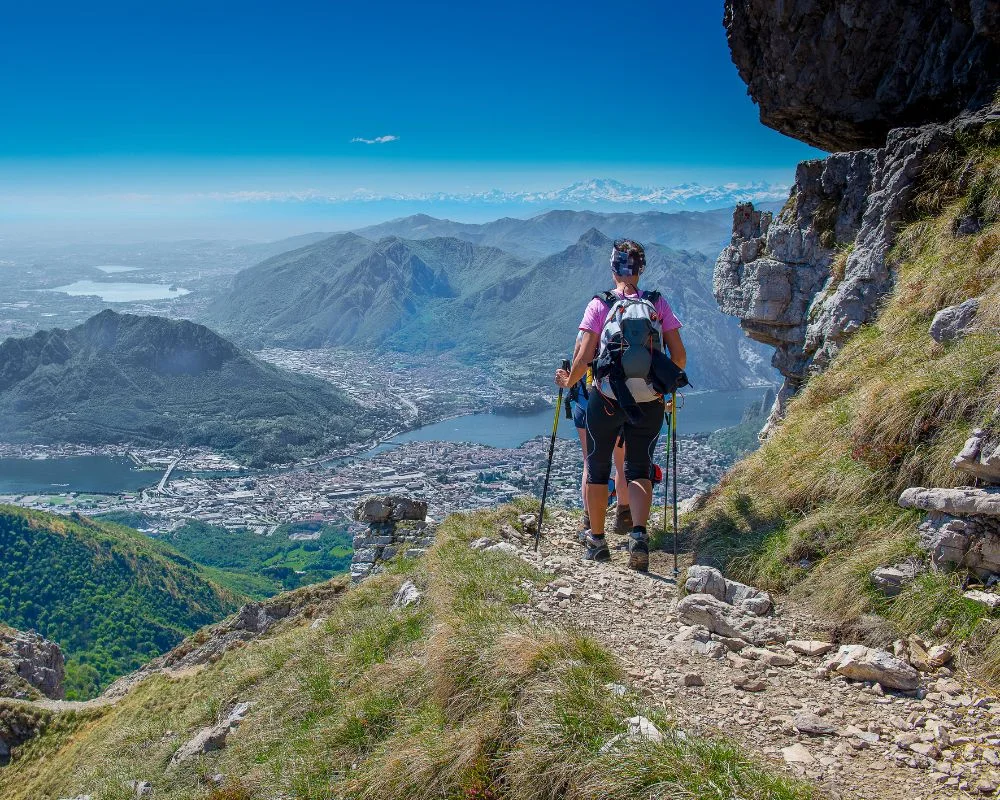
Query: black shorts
x,y
605,420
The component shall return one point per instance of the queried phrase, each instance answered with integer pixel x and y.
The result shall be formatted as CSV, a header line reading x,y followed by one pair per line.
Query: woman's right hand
x,y
562,379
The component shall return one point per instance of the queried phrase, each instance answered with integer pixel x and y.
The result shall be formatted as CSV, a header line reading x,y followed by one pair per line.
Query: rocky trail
x,y
778,693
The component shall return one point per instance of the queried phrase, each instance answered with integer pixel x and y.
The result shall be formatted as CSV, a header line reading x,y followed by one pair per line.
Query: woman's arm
x,y
583,353
672,339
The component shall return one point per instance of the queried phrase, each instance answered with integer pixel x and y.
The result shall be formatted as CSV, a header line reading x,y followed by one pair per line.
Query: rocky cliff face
x,y
840,75
29,664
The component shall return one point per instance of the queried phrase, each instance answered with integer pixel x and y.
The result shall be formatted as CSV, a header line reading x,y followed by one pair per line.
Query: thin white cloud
x,y
376,140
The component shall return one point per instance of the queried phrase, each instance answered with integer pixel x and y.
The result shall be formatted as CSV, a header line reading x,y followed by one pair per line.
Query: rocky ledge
x,y
839,74
396,526
30,664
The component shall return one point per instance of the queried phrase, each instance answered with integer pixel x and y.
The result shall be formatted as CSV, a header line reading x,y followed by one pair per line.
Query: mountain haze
x,y
480,303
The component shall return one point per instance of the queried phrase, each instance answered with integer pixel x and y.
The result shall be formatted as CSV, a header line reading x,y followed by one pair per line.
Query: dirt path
x,y
881,747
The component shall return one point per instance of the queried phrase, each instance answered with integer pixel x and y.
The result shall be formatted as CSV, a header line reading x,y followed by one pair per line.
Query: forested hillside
x,y
109,596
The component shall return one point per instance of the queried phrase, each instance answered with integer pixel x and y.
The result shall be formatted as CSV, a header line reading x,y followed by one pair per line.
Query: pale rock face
x,y
725,620
953,322
980,457
407,595
708,580
33,659
861,663
777,275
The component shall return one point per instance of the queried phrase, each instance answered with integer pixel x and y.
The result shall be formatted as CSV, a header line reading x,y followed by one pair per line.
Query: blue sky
x,y
127,100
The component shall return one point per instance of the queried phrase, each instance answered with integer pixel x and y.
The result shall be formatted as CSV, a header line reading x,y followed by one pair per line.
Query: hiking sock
x,y
638,549
582,533
623,520
597,548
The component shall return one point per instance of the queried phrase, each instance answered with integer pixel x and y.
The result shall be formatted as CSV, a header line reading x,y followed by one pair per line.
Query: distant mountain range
x,y
707,231
477,302
155,381
595,193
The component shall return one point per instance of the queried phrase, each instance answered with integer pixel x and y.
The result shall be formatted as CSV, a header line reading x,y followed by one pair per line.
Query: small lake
x,y
121,292
98,474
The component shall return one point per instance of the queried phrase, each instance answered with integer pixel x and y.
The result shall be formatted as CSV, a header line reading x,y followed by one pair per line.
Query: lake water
x,y
700,413
703,412
99,474
122,292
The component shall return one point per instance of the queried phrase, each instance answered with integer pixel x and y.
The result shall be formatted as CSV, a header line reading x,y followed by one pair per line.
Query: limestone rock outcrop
x,y
840,74
30,663
396,526
804,281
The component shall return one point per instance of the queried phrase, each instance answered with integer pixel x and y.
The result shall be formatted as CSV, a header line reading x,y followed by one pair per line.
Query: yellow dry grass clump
x,y
814,510
456,697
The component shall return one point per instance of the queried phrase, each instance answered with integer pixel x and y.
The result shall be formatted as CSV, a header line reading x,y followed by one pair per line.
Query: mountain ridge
x,y
149,380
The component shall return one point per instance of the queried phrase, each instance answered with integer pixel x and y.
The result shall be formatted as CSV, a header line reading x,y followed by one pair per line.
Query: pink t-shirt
x,y
596,314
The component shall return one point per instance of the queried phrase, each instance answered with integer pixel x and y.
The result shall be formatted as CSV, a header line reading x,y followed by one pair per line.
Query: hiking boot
x,y
597,548
623,520
638,550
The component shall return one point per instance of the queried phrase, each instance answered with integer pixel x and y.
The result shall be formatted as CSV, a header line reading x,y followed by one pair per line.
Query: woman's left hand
x,y
562,378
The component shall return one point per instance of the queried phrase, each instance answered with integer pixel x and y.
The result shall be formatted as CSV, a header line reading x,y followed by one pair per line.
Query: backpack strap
x,y
608,298
652,296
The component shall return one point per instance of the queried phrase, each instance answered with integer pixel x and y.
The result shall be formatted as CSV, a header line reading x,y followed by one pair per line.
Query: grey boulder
x,y
953,322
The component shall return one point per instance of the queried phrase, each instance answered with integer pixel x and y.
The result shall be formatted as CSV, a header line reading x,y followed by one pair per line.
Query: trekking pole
x,y
548,468
673,442
666,471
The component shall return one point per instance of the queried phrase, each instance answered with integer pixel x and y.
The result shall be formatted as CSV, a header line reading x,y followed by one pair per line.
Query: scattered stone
x,y
529,522
407,595
749,683
769,657
988,599
692,679
482,543
953,322
211,738
141,788
809,647
797,754
979,457
564,593
891,580
642,728
939,655
870,664
726,620
812,724
502,547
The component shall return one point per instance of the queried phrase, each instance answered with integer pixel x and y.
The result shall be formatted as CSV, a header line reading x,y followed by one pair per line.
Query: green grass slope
x,y
109,596
889,413
457,697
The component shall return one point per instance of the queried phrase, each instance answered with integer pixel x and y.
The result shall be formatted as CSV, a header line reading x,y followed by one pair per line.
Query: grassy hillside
x,y
457,697
109,596
890,413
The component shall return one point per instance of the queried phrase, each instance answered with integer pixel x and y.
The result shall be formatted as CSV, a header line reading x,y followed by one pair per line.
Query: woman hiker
x,y
605,419
578,401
